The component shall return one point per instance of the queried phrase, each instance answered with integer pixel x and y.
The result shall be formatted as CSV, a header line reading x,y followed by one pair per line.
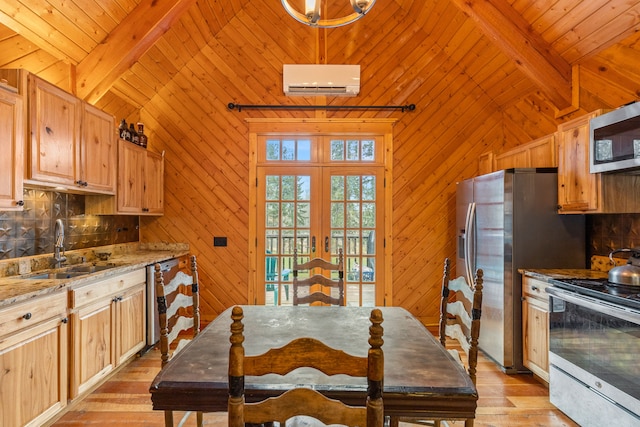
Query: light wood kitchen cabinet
x,y
535,327
580,191
33,360
12,149
69,143
108,323
54,128
98,151
539,153
140,184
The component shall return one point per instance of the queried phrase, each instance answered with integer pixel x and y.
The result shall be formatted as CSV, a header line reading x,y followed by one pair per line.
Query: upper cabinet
x,y
140,184
54,128
72,144
580,191
68,143
98,151
12,148
540,153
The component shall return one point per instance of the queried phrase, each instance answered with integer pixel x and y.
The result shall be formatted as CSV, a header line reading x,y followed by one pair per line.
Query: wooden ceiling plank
x,y
126,44
69,21
601,30
25,22
511,33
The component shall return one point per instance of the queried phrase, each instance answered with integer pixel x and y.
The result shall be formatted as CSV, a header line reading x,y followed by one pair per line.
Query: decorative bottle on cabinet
x,y
134,135
141,135
122,129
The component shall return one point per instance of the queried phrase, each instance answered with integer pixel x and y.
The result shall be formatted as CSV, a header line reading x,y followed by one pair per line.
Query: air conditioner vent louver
x,y
321,79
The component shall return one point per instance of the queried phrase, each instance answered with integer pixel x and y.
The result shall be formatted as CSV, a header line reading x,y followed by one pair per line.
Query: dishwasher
x,y
170,269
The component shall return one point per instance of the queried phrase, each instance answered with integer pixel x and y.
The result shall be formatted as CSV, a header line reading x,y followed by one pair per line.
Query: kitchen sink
x,y
73,271
59,275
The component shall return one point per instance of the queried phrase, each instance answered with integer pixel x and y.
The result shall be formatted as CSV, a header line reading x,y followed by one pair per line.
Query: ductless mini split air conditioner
x,y
321,79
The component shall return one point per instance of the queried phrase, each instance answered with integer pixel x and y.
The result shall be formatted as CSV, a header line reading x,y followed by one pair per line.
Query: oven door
x,y
594,350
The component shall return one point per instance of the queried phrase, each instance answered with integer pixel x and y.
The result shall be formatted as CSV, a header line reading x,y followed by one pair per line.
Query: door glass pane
x,y
287,225
354,150
353,229
288,149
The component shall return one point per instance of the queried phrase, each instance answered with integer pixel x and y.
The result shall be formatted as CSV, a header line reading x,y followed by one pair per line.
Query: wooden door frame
x,y
313,126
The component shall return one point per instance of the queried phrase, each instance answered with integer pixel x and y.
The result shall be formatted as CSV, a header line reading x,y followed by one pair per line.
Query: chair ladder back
x,y
305,401
444,300
179,313
476,313
318,279
462,317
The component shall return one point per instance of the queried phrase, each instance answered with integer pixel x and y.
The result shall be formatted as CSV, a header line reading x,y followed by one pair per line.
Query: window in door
x,y
319,195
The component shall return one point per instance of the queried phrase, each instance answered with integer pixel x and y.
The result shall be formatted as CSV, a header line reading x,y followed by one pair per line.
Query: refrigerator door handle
x,y
469,242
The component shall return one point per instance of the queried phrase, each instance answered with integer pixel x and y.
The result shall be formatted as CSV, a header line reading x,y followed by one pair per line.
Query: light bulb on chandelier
x,y
312,13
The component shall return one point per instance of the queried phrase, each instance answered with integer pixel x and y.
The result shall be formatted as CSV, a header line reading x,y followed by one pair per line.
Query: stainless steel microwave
x,y
614,140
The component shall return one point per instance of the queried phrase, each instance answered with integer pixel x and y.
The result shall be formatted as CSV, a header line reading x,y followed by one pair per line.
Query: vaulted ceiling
x,y
484,75
506,47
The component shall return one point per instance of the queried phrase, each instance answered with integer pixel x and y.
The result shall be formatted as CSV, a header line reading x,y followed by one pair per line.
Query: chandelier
x,y
311,15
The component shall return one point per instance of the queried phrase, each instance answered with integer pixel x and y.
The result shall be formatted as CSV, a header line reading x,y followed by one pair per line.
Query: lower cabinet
x,y
33,360
535,327
107,327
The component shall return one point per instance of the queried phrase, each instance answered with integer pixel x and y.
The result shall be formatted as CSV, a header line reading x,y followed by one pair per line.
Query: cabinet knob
x,y
27,316
20,203
65,320
534,288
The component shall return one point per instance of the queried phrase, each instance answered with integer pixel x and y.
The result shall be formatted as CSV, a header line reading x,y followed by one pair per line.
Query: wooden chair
x,y
308,294
460,321
303,401
179,312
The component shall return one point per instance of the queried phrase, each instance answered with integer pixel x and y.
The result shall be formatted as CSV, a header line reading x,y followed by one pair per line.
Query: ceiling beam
x,y
513,35
125,45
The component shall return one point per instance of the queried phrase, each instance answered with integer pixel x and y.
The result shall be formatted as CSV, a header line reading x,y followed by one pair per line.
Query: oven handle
x,y
617,311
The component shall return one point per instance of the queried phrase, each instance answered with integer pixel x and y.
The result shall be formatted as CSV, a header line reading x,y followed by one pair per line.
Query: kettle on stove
x,y
629,274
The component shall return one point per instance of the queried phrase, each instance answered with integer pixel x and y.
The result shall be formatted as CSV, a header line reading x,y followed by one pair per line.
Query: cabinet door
x,y
11,147
130,325
578,190
98,151
154,184
131,165
92,351
54,122
535,329
33,374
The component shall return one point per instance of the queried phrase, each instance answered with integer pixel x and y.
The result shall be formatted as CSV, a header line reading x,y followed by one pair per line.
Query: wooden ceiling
x,y
484,75
507,47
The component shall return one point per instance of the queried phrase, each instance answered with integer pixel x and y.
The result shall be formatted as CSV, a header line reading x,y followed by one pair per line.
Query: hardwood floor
x,y
505,400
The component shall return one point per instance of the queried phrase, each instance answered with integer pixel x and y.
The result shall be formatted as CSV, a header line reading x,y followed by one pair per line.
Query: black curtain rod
x,y
403,108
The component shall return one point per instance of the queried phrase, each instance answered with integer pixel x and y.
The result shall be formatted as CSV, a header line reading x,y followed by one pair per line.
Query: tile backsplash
x,y
612,231
30,232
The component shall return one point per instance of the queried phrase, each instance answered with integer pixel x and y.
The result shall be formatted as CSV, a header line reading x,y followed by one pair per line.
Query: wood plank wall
x,y
470,99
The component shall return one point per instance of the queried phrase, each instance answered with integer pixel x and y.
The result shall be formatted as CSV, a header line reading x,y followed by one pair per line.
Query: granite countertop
x,y
563,273
17,288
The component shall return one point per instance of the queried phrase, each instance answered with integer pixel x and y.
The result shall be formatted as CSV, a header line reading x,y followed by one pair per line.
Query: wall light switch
x,y
219,241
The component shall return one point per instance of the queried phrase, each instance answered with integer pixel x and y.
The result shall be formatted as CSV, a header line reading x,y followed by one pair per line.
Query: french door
x,y
320,195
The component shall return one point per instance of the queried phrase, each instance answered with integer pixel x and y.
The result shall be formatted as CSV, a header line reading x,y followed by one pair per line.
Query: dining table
x,y
421,378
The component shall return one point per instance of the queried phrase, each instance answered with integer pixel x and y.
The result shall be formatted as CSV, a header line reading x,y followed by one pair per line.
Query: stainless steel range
x,y
594,351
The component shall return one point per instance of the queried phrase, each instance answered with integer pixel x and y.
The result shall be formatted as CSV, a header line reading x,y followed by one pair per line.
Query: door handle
x,y
313,244
326,244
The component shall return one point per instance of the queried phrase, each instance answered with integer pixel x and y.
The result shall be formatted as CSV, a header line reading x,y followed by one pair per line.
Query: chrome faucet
x,y
59,238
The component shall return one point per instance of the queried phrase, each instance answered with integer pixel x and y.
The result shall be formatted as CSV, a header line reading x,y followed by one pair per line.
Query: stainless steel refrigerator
x,y
508,220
